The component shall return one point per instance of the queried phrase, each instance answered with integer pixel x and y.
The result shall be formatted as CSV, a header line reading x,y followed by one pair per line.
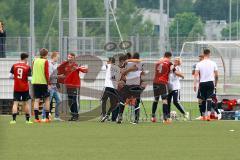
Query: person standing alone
x,y
207,72
2,40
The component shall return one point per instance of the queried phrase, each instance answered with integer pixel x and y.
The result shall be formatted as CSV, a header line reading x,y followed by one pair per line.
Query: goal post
x,y
227,56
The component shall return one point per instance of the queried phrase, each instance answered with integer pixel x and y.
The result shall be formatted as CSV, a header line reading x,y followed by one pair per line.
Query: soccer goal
x,y
227,56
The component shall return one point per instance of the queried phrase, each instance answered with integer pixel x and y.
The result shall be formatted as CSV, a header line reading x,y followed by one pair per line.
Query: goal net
x,y
227,56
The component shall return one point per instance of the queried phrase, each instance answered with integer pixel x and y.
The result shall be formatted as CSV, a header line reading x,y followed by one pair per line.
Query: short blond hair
x,y
179,59
54,54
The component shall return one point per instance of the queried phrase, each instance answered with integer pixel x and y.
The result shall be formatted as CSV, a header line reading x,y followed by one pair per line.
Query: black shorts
x,y
130,91
40,91
21,96
206,90
110,93
160,90
199,94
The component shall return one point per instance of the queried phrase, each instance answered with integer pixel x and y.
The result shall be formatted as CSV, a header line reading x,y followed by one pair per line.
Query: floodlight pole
x,y
177,40
161,28
168,43
237,21
73,25
59,26
106,3
230,19
32,29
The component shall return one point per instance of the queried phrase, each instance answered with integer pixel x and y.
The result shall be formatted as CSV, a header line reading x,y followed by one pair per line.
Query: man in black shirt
x,y
2,40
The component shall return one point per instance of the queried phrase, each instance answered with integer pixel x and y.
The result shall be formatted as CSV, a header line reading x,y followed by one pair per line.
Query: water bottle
x,y
237,115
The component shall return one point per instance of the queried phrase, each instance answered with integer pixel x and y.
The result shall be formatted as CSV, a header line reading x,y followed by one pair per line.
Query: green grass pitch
x,y
91,140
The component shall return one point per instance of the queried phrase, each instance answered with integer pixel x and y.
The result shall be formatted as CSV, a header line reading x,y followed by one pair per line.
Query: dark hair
x,y
23,56
168,54
123,57
136,55
129,55
43,52
111,59
73,54
206,51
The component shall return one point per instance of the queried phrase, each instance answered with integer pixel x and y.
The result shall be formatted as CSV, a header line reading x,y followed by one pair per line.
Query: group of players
x,y
123,84
45,75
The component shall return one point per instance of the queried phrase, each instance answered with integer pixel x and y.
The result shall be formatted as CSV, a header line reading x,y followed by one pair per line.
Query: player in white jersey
x,y
174,87
207,72
132,88
110,81
200,58
113,76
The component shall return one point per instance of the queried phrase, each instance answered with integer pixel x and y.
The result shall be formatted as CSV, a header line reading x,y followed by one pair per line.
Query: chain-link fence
x,y
91,53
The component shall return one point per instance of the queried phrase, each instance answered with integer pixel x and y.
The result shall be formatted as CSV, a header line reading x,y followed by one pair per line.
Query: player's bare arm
x,y
196,75
179,74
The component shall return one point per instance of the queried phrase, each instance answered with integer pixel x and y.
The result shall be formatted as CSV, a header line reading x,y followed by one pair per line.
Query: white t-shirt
x,y
174,80
112,76
134,77
206,70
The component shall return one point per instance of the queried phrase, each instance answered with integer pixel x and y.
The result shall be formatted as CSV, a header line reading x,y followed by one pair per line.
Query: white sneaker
x,y
199,118
219,116
43,120
58,119
186,116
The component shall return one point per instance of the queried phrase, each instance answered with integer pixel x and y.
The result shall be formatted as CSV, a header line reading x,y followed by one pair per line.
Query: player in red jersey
x,y
162,70
20,72
72,81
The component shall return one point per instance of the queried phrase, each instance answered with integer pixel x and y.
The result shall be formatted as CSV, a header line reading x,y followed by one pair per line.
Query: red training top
x,y
65,68
71,72
162,70
73,79
21,71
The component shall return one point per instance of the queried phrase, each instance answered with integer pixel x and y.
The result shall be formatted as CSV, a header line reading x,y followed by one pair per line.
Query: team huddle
x,y
124,84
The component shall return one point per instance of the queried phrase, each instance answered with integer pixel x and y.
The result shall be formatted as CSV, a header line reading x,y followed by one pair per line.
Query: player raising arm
x,y
72,82
20,72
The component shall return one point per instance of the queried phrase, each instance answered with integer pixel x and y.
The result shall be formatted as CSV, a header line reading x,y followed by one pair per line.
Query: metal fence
x,y
91,54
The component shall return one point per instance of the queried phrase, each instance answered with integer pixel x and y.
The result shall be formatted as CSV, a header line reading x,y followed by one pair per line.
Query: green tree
x,y
215,9
130,21
92,9
187,24
146,29
13,13
175,6
180,6
235,27
197,29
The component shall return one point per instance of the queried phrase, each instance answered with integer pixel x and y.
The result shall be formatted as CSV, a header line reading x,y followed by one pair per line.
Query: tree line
x,y
189,16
